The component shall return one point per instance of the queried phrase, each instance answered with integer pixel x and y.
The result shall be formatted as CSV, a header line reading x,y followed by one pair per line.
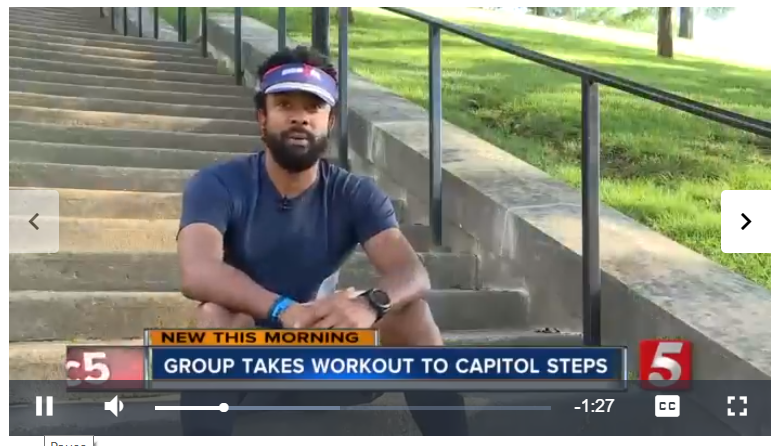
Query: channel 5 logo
x,y
665,364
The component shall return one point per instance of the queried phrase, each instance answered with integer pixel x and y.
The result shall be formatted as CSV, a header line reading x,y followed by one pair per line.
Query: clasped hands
x,y
342,309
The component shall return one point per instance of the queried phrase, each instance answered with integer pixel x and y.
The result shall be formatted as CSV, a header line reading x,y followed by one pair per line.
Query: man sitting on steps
x,y
263,236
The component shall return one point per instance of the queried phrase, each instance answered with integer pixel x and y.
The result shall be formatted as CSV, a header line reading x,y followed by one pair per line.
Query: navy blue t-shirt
x,y
291,249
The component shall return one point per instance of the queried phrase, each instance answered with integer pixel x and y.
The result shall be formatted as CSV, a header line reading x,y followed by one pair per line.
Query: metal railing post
x,y
591,268
183,24
204,31
281,28
124,21
140,22
343,76
434,131
178,24
113,19
320,30
102,13
156,23
237,53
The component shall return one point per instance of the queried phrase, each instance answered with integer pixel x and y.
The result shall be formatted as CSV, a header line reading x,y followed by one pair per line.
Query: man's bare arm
x,y
205,277
402,275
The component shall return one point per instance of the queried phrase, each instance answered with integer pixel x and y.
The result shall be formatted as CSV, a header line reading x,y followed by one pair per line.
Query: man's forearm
x,y
406,285
223,285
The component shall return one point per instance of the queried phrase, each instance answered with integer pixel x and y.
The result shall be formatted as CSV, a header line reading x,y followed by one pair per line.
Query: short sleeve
x,y
206,199
372,210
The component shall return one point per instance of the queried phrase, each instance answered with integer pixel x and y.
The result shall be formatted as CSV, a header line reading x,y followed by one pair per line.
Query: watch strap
x,y
279,306
379,309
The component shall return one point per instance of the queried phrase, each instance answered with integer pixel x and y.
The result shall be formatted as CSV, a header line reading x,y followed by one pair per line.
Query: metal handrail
x,y
124,21
238,56
140,22
204,33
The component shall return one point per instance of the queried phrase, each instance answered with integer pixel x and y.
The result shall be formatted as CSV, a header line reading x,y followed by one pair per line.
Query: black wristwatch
x,y
378,300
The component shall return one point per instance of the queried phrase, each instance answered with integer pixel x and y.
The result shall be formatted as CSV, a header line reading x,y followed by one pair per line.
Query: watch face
x,y
380,298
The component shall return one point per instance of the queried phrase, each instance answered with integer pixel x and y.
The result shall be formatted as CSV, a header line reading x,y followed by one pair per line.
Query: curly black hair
x,y
300,54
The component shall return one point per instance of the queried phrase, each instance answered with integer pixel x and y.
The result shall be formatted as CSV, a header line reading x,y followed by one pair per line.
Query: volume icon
x,y
114,406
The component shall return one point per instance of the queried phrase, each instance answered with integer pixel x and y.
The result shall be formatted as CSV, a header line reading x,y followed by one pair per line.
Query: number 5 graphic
x,y
90,365
660,361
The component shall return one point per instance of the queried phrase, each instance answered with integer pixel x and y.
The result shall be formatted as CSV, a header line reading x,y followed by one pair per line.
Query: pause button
x,y
40,407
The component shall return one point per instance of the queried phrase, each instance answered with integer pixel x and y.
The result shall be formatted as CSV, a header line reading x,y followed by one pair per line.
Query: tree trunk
x,y
665,42
350,16
686,23
541,12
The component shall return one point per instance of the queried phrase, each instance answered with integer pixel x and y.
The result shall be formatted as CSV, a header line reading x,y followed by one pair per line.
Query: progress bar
x,y
224,408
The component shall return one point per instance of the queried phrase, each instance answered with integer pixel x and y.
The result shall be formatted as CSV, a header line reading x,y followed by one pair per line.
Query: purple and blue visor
x,y
299,77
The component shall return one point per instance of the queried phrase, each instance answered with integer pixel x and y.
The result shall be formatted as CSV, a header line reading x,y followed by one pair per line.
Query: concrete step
x,y
57,21
54,20
208,97
160,271
112,42
135,235
50,23
54,25
63,83
46,152
45,33
126,54
69,176
206,66
134,73
107,178
131,121
469,317
513,337
75,11
134,107
60,14
23,131
81,203
66,12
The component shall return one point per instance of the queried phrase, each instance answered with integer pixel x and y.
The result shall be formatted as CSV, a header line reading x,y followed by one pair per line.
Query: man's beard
x,y
294,157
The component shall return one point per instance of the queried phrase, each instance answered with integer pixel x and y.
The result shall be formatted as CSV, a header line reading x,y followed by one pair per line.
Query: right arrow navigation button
x,y
746,221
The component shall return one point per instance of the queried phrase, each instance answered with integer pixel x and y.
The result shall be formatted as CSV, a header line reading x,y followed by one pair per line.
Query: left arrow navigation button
x,y
32,221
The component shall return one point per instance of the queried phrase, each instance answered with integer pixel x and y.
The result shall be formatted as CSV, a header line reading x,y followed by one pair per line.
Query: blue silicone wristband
x,y
280,305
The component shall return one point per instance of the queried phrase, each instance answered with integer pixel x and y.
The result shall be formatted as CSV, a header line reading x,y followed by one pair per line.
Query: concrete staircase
x,y
117,125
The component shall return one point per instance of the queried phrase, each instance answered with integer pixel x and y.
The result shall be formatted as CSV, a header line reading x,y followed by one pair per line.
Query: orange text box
x,y
249,337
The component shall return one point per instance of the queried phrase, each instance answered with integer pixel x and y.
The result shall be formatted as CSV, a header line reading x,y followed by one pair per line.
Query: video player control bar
x,y
224,408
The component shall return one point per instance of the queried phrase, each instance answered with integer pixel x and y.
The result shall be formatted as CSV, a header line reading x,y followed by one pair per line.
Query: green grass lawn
x,y
662,167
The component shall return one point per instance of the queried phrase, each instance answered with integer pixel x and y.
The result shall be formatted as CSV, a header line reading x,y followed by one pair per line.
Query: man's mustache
x,y
299,130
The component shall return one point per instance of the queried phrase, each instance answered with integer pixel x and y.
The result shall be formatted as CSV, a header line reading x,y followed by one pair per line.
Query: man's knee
x,y
411,326
209,315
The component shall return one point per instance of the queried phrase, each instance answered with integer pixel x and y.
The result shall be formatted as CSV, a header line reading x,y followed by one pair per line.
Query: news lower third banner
x,y
177,360
387,369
